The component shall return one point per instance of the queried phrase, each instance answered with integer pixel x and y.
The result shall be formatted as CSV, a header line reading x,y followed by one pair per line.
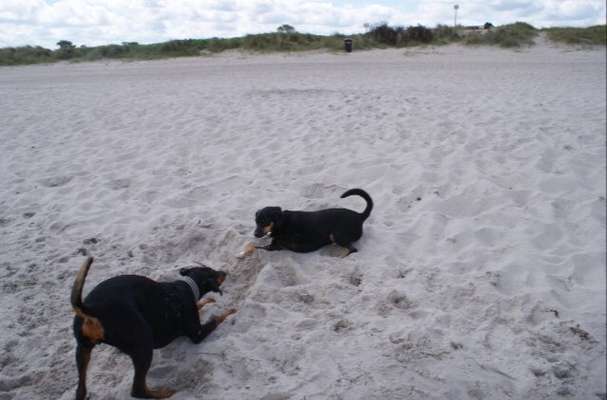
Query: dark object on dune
x,y
348,45
488,25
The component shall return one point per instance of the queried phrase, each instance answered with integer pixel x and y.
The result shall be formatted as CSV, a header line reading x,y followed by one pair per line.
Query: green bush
x,y
66,50
444,34
385,34
175,48
511,35
399,36
593,35
25,55
418,34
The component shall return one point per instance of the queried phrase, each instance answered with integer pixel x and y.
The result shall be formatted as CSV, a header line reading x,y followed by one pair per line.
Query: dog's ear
x,y
276,217
275,212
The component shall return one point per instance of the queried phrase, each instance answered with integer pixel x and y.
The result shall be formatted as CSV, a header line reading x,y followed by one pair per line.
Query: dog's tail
x,y
76,297
91,326
364,195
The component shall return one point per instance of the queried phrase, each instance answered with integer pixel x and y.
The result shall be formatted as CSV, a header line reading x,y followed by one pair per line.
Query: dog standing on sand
x,y
137,315
305,231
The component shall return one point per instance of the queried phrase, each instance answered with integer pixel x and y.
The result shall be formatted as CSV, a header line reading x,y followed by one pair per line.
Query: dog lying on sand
x,y
137,315
306,231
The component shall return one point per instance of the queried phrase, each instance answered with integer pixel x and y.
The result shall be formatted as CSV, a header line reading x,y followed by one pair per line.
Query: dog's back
x,y
120,300
309,230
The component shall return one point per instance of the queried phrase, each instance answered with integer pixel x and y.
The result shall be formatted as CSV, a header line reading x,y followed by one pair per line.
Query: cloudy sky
x,y
94,22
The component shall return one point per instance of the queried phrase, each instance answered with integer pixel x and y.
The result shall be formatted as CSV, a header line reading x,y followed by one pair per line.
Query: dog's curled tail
x,y
359,192
76,297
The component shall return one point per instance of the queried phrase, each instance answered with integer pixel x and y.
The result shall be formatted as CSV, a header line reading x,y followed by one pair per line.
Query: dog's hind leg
x,y
348,250
351,249
83,356
346,244
141,354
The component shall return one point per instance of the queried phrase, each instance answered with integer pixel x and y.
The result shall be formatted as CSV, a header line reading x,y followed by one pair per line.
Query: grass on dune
x,y
288,40
593,35
511,35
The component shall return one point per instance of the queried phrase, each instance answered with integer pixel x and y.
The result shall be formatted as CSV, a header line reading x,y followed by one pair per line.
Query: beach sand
x,y
481,273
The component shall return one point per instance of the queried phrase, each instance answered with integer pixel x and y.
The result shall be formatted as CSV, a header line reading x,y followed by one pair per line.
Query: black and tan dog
x,y
137,315
305,231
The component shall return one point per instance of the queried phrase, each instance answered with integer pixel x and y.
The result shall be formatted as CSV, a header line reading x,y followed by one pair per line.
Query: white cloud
x,y
95,22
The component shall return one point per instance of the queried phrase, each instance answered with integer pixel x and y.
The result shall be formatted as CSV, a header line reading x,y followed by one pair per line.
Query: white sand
x,y
491,286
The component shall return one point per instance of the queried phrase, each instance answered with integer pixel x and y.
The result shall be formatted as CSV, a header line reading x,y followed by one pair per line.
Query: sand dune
x,y
481,274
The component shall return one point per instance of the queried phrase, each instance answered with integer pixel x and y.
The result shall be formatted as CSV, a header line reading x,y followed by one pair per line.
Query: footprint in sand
x,y
5,221
488,236
179,377
519,197
56,181
318,190
511,279
546,161
550,237
598,210
278,275
356,278
586,270
189,198
117,184
400,300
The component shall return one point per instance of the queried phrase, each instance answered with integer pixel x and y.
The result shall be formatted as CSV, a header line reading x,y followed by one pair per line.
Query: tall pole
x,y
455,8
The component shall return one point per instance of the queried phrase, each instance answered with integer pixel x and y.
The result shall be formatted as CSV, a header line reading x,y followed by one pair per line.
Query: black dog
x,y
137,314
304,231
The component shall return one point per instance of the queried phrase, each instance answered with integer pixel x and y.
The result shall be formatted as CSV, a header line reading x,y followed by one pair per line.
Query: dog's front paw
x,y
204,302
249,249
226,314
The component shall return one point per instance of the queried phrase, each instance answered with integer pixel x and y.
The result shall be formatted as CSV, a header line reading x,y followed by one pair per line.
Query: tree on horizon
x,y
65,44
286,28
66,49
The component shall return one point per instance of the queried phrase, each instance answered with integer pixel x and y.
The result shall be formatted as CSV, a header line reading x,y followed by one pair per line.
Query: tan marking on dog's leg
x,y
204,302
220,318
249,249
